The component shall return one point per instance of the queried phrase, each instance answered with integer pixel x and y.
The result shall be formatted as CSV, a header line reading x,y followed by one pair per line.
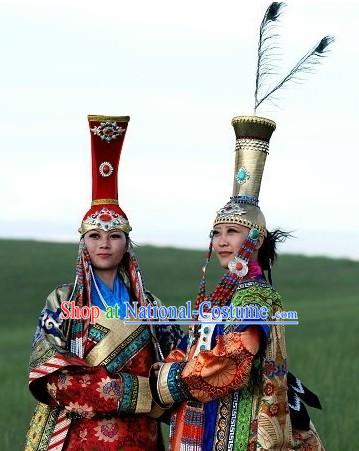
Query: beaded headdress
x,y
107,136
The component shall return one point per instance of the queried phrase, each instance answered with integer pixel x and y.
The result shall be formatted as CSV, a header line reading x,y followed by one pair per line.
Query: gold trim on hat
x,y
253,127
93,221
104,202
240,221
99,118
124,227
252,217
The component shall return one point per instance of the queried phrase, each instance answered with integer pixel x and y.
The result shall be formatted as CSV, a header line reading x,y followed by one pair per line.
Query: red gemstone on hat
x,y
105,217
239,266
106,169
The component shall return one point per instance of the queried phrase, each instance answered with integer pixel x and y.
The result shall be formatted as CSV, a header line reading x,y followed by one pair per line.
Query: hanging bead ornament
x,y
224,291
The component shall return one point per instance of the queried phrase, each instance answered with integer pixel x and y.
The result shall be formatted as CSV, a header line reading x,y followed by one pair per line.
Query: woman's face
x,y
228,240
106,249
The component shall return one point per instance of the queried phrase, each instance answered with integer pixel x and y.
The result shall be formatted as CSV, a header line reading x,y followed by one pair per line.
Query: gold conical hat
x,y
252,145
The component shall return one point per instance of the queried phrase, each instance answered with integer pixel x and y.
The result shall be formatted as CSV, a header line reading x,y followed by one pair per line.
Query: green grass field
x,y
322,349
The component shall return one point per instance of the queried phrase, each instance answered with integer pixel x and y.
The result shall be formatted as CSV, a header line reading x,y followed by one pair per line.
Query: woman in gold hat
x,y
228,380
88,369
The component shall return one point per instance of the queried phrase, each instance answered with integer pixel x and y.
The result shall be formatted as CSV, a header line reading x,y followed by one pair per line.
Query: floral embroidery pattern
x,y
272,370
75,393
52,389
84,380
109,389
82,410
107,431
83,435
64,380
273,410
269,389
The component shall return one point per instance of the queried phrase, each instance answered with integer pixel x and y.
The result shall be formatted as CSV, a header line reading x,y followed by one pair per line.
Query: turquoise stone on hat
x,y
254,234
202,348
242,175
206,330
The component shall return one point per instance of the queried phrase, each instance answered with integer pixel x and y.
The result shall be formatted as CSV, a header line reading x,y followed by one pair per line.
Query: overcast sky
x,y
181,70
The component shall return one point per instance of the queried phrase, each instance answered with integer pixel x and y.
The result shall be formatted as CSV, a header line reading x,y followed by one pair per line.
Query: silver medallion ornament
x,y
238,266
108,131
231,208
105,169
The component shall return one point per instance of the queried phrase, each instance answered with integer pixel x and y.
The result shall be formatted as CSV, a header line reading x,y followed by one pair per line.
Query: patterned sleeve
x,y
211,374
59,377
91,391
259,297
226,367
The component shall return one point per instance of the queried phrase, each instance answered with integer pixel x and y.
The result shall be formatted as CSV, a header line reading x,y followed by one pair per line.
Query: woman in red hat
x,y
88,369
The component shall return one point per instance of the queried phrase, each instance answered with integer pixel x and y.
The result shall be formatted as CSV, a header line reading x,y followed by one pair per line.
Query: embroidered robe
x,y
232,395
101,401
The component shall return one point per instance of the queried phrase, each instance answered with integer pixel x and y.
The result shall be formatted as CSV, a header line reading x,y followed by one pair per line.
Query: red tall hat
x,y
107,136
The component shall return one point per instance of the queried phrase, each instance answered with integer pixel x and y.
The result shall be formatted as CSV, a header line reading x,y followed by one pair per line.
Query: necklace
x,y
98,290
